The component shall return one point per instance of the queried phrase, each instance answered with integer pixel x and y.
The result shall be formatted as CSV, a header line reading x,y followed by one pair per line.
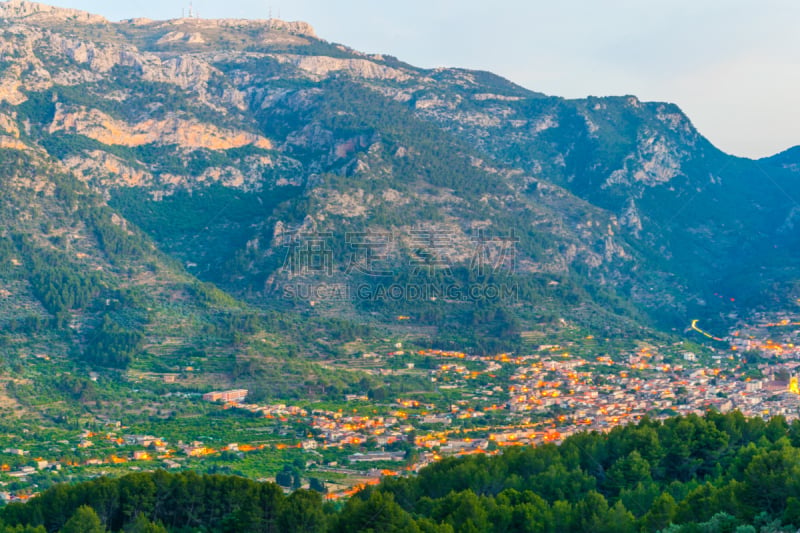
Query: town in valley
x,y
473,405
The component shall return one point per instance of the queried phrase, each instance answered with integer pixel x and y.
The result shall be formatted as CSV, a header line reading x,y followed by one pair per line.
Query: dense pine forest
x,y
716,473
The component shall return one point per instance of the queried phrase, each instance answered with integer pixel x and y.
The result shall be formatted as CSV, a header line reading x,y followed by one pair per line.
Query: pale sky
x,y
732,65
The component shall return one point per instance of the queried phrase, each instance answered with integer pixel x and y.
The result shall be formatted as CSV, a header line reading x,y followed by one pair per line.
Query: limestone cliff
x,y
188,134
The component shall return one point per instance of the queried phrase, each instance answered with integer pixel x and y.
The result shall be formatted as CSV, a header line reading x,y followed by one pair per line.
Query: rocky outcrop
x,y
656,161
185,133
10,90
179,36
247,176
8,125
24,70
77,62
294,27
344,204
38,13
482,97
185,71
107,170
322,66
12,143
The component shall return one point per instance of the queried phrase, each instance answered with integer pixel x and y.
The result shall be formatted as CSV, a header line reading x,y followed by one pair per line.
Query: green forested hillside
x,y
716,473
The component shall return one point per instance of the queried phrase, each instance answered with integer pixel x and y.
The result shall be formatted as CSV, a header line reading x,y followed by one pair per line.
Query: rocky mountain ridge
x,y
217,149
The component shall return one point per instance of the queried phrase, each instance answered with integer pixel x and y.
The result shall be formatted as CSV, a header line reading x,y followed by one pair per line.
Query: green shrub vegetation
x,y
715,473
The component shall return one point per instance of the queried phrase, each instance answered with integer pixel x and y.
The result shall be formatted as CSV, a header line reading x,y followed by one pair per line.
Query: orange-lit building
x,y
236,395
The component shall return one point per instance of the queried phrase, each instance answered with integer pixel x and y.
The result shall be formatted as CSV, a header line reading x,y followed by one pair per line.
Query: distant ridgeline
x,y
717,473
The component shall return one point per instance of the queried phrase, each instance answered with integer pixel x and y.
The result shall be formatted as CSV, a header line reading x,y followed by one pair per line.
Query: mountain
x,y
225,194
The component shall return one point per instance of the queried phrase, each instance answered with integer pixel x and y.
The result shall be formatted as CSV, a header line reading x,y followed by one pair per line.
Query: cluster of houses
x,y
549,396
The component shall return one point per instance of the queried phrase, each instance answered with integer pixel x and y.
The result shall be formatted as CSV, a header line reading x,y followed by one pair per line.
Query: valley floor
x,y
475,405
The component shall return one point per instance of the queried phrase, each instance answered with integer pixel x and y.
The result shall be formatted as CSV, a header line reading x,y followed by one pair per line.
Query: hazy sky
x,y
732,65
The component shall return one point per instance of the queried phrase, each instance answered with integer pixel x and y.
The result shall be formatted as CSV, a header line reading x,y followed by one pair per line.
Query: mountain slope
x,y
306,177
